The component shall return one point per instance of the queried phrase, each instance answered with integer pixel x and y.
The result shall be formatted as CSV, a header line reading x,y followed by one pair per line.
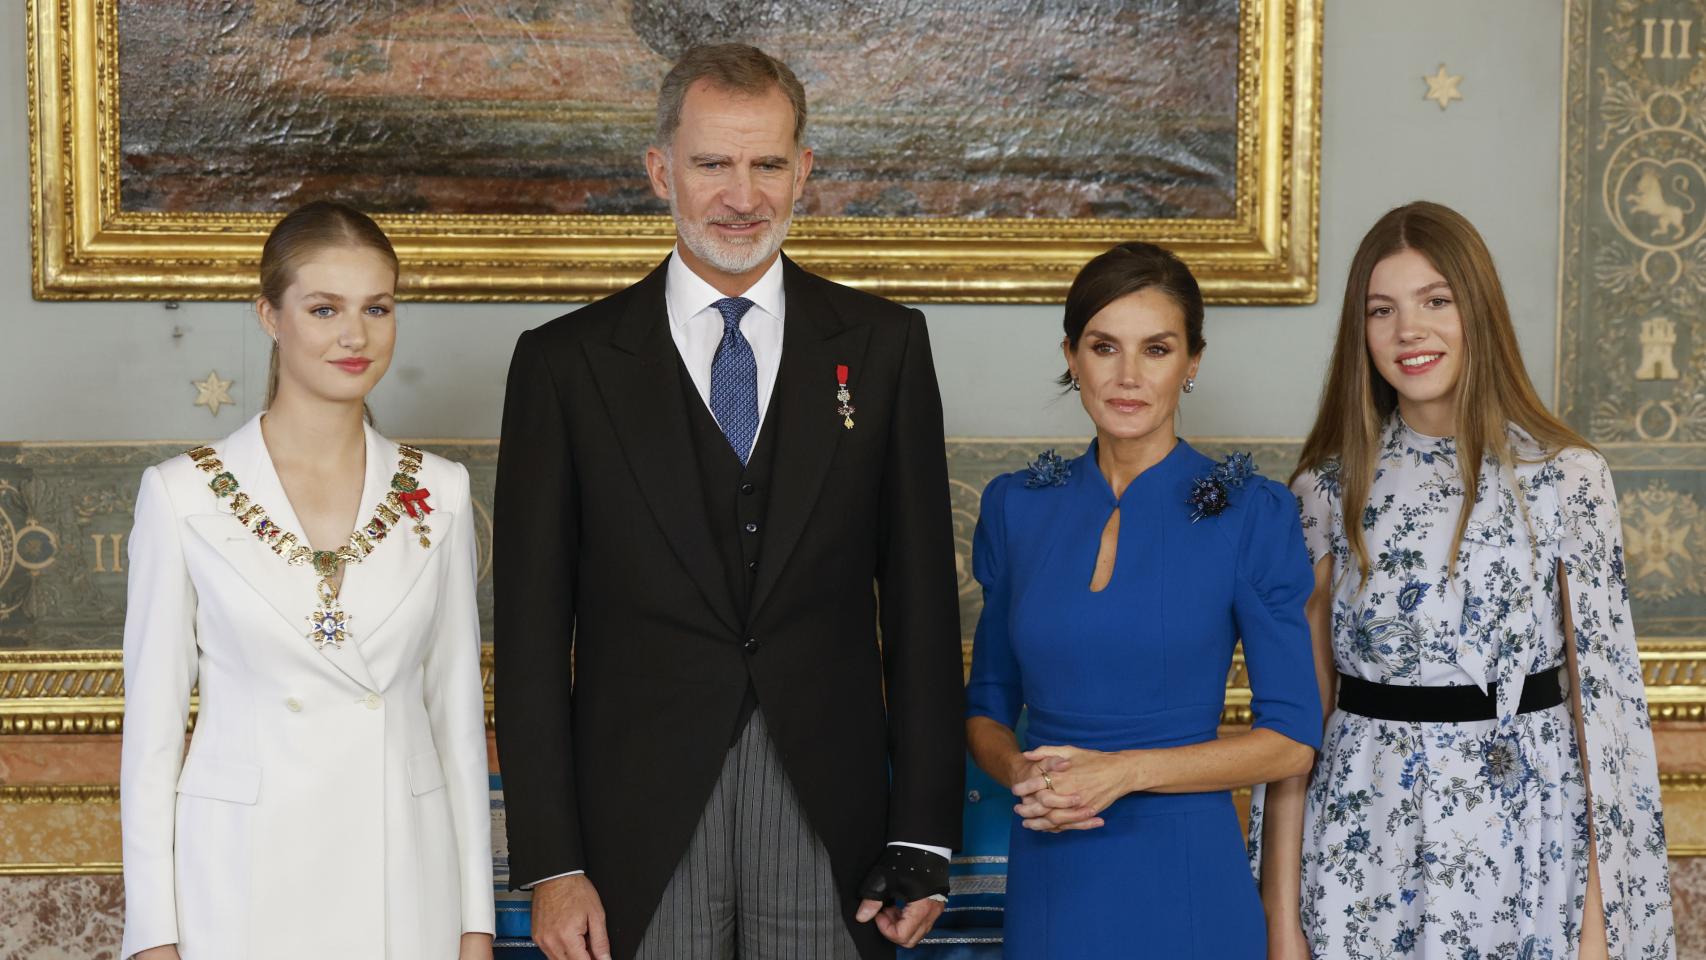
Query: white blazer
x,y
333,803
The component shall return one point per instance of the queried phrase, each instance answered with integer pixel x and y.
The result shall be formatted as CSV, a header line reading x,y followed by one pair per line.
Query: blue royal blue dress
x,y
1141,664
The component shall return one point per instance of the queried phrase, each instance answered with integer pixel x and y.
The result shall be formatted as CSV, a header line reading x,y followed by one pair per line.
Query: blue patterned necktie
x,y
734,380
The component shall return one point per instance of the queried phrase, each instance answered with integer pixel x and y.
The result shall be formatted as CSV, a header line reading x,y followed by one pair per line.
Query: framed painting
x,y
969,150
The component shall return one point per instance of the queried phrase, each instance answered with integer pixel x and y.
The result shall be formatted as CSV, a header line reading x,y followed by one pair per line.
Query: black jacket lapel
x,y
802,408
638,378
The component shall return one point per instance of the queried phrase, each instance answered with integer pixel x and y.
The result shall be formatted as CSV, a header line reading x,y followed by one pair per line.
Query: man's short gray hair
x,y
731,66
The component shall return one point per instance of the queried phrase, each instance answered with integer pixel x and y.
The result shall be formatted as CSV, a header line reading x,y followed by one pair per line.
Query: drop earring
x,y
1075,384
1190,384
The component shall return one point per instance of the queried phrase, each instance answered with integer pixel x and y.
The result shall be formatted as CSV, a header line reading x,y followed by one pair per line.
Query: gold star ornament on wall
x,y
213,392
1442,88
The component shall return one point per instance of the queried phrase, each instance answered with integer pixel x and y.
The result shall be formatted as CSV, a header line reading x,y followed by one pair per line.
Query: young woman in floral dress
x,y
1471,621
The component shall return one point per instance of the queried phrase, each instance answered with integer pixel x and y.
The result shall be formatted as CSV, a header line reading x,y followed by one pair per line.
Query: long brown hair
x,y
303,232
1493,389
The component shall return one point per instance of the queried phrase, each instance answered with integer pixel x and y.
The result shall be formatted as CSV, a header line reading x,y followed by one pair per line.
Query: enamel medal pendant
x,y
844,397
328,623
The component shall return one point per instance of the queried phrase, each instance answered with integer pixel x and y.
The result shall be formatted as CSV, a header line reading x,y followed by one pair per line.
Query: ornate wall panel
x,y
1632,290
1632,352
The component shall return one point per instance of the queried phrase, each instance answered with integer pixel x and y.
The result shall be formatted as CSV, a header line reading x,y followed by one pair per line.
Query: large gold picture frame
x,y
86,245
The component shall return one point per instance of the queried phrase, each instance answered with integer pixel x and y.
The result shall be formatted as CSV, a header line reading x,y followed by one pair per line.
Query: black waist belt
x,y
1453,704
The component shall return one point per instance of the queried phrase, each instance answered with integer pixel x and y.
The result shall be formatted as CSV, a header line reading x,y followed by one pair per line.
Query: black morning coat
x,y
603,552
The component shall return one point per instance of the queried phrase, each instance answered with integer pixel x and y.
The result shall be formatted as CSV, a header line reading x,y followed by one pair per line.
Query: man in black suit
x,y
719,483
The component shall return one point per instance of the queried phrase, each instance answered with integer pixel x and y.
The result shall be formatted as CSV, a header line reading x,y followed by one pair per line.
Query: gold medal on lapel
x,y
844,397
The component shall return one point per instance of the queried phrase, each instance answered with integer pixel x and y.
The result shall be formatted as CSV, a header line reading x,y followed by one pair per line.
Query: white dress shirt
x,y
697,328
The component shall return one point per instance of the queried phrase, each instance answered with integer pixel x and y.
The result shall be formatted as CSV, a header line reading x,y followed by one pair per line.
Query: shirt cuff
x,y
571,873
942,852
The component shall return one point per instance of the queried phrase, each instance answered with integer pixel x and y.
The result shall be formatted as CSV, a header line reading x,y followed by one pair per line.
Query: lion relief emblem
x,y
1650,198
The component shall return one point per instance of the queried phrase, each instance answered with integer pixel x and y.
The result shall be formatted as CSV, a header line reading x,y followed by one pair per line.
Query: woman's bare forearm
x,y
1282,823
1593,909
1227,763
1223,764
1282,852
995,748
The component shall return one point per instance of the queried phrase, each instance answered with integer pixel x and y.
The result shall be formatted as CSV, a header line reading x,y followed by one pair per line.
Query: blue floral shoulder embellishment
x,y
1211,495
1235,469
1049,469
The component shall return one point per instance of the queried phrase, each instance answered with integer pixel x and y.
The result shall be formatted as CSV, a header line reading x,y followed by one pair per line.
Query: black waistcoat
x,y
735,501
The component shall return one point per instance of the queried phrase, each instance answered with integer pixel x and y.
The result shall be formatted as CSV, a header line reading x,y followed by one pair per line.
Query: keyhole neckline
x,y
1143,481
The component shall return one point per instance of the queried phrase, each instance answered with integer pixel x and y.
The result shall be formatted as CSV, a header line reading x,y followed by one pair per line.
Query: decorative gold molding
x,y
1674,671
82,793
82,692
86,246
99,868
1690,780
59,793
20,719
1673,668
61,692
1672,784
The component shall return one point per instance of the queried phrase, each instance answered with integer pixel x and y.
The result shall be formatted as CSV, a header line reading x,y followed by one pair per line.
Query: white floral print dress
x,y
1468,841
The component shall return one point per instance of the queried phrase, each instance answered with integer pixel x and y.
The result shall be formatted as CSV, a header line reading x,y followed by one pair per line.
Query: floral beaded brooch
x,y
1049,469
1211,495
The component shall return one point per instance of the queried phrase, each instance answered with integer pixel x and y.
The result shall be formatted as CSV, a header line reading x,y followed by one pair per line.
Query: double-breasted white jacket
x,y
332,803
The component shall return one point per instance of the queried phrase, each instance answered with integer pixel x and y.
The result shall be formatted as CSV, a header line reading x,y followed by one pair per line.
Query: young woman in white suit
x,y
316,580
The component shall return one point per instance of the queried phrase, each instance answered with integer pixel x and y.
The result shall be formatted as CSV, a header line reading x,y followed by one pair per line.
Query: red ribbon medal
x,y
413,497
843,396
411,494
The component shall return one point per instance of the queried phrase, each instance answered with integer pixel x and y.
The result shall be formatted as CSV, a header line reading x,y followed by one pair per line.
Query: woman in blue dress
x,y
1116,586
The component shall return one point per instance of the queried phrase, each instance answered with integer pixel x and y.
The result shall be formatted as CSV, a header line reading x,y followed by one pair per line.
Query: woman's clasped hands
x,y
1067,788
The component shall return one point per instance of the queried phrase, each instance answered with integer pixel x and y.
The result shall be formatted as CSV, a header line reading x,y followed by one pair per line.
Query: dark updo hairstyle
x,y
303,232
1125,270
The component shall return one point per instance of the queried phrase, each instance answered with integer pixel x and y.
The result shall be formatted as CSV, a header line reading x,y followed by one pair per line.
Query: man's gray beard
x,y
729,258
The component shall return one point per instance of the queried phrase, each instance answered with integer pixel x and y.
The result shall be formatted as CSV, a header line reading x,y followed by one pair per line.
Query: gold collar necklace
x,y
328,623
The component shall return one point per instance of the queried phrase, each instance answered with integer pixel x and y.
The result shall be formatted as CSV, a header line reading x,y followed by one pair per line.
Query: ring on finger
x,y
1048,781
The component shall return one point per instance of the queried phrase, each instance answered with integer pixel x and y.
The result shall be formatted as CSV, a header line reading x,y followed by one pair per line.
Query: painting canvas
x,y
957,109
966,150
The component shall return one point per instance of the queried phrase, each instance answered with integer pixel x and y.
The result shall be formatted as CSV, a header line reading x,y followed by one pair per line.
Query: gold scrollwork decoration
x,y
93,869
1681,789
59,793
72,692
26,547
82,691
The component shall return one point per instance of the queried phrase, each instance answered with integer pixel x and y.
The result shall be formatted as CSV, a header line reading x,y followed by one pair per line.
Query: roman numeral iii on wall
x,y
1658,33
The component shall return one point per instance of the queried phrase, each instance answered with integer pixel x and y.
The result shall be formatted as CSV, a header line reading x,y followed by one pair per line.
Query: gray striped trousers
x,y
755,881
